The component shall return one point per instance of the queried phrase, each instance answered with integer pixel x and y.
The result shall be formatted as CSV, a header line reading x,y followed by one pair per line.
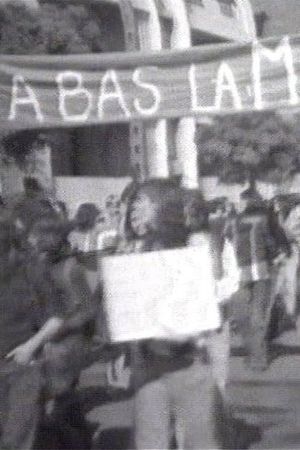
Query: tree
x,y
249,147
53,29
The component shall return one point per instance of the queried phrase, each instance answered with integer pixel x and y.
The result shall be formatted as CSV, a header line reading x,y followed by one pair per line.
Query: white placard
x,y
162,294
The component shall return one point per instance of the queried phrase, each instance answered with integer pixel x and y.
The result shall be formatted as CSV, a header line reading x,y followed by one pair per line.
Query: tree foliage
x,y
249,147
54,29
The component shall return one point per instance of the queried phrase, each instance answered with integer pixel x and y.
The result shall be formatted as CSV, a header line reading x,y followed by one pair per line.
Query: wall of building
x,y
95,150
283,16
222,18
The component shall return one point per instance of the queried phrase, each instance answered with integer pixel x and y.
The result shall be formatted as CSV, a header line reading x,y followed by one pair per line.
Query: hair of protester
x,y
168,227
86,215
196,211
129,191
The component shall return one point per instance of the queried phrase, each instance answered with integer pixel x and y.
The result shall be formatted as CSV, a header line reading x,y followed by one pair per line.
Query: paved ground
x,y
268,402
265,406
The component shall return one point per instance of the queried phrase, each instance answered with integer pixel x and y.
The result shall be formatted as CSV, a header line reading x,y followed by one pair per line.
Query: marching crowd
x,y
52,312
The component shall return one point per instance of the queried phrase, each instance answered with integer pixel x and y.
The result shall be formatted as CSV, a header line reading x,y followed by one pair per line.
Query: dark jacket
x,y
254,244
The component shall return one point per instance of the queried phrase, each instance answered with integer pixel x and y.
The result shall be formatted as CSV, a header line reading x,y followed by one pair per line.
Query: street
x,y
266,405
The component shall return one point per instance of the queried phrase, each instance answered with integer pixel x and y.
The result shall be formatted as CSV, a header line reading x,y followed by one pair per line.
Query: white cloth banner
x,y
166,294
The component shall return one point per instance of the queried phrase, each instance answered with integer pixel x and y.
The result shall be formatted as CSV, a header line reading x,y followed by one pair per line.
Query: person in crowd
x,y
83,238
256,250
64,280
172,380
112,207
19,382
218,221
45,330
286,223
118,370
33,205
226,274
107,233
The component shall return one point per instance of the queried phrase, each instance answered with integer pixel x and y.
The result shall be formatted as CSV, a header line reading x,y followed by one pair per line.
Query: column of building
x,y
185,137
156,140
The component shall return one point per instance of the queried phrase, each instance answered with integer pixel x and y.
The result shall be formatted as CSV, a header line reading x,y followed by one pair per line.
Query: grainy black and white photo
x,y
149,224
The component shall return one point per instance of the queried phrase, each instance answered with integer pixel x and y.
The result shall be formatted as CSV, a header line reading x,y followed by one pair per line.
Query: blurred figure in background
x,y
61,289
83,237
20,383
226,274
255,249
46,321
286,280
33,205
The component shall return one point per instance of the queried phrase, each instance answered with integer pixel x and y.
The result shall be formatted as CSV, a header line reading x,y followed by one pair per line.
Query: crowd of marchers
x,y
52,314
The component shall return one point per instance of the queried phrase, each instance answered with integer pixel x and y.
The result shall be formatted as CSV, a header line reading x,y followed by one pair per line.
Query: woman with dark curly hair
x,y
172,379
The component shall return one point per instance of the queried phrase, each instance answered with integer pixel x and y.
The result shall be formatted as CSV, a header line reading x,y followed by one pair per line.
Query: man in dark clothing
x,y
61,282
44,328
19,383
255,251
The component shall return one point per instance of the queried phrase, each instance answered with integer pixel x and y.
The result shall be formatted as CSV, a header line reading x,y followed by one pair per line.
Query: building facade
x,y
163,147
276,17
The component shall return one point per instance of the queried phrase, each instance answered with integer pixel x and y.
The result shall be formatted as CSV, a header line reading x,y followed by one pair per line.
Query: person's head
x,y
196,212
156,210
47,236
86,215
250,200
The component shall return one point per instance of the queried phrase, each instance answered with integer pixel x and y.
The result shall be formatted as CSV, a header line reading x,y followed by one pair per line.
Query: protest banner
x,y
166,294
51,91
